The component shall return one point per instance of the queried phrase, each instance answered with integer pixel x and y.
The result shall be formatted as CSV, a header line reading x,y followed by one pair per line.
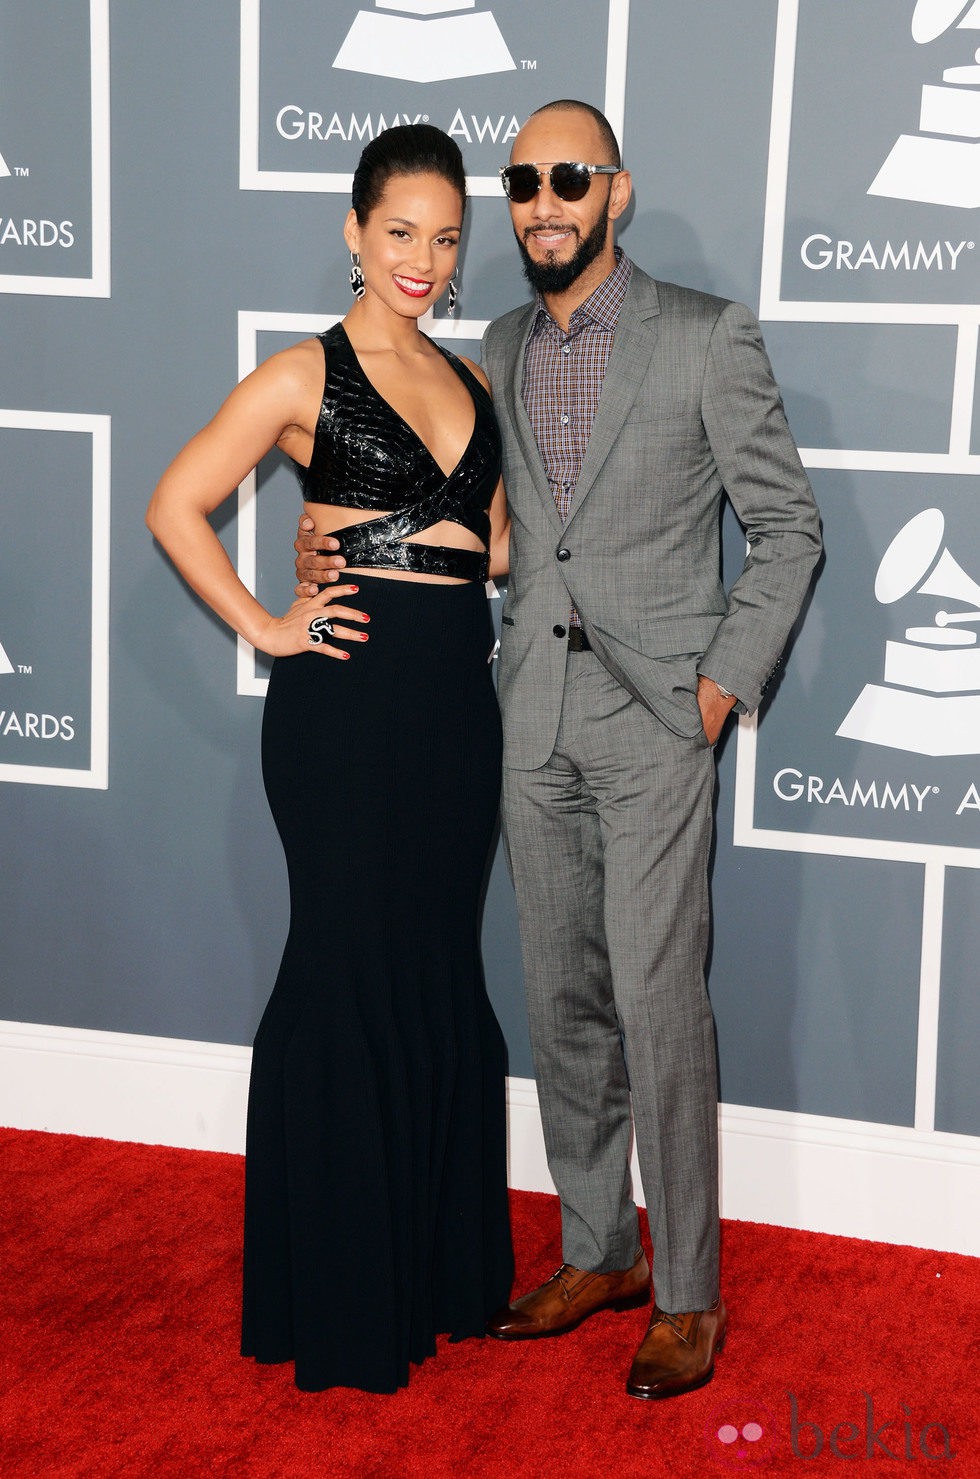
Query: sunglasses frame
x,y
592,169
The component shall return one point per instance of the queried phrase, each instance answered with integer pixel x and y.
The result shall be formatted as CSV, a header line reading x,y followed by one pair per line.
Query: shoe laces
x,y
564,1277
662,1317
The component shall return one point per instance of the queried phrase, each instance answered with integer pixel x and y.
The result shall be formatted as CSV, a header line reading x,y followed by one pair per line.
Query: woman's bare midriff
x,y
329,518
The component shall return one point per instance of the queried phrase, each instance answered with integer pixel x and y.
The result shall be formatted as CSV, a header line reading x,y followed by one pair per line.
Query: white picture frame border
x,y
98,285
96,776
958,462
252,177
772,305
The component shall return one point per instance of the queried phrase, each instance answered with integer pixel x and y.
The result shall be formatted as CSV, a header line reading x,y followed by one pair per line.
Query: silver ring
x,y
318,626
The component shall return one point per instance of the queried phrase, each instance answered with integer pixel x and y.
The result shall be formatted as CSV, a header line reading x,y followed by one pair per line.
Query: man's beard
x,y
552,276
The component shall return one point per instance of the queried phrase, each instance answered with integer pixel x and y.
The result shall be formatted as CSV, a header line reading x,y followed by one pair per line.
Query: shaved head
x,y
610,143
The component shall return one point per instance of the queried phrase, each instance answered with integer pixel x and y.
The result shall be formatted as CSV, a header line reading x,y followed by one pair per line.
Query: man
x,y
628,408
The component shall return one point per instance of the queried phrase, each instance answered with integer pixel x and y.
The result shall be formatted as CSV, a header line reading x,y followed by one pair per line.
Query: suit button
x,y
559,631
564,554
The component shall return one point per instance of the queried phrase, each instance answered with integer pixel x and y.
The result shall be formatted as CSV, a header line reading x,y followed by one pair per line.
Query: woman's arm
x,y
499,517
499,533
270,407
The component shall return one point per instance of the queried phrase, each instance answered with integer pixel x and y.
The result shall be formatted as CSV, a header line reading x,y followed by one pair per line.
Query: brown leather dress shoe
x,y
568,1298
677,1353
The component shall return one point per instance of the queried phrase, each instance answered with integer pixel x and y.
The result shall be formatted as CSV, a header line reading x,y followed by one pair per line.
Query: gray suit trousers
x,y
608,845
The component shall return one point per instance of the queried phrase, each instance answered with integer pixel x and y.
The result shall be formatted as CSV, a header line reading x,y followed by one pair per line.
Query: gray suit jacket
x,y
689,411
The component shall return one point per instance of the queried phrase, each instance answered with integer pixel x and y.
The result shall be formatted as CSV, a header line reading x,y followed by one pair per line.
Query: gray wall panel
x,y
159,905
848,385
958,1097
815,996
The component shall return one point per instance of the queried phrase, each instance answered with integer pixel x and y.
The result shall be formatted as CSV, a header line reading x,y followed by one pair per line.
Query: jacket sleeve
x,y
764,478
488,358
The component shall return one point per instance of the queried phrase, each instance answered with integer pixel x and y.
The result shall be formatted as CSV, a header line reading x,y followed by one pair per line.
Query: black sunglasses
x,y
569,181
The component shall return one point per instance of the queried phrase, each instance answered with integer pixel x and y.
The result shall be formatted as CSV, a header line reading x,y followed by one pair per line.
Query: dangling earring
x,y
453,294
356,275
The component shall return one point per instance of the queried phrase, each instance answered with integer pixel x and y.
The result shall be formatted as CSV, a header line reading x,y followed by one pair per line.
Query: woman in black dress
x,y
375,1212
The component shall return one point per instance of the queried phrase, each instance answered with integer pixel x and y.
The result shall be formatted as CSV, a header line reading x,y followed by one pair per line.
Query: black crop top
x,y
366,456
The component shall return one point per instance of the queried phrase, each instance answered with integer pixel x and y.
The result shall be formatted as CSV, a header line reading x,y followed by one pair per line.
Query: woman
x,y
375,1208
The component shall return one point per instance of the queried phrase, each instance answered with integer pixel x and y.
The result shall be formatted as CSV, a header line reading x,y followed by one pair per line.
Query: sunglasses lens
x,y
521,183
570,181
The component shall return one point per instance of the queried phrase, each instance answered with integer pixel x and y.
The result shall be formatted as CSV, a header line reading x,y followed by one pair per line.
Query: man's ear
x,y
619,195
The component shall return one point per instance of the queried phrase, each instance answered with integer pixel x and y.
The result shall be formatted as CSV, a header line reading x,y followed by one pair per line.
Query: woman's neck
x,y
374,326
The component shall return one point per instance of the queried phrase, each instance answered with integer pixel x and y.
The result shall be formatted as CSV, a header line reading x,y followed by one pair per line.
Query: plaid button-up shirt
x,y
562,381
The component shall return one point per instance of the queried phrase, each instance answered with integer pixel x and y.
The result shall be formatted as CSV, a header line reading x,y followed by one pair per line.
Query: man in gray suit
x,y
628,408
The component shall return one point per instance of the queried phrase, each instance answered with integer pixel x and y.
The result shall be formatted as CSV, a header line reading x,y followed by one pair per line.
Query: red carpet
x,y
119,1269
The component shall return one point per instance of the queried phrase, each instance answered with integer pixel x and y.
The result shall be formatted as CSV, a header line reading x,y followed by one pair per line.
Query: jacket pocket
x,y
674,636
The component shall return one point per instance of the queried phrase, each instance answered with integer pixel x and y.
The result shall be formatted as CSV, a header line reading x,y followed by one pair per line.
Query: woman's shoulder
x,y
297,368
287,387
475,370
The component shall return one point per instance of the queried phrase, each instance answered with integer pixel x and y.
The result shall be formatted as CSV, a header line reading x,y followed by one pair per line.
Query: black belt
x,y
578,641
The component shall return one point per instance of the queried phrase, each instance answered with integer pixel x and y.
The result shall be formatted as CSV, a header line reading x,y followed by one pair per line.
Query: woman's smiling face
x,y
410,242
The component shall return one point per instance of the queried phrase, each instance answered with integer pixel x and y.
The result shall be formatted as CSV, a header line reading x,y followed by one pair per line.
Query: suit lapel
x,y
521,422
626,372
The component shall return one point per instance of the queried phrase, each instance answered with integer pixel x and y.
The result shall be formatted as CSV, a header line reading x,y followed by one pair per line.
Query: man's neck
x,y
561,306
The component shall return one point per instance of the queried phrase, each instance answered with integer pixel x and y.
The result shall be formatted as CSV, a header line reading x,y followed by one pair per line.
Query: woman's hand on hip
x,y
315,624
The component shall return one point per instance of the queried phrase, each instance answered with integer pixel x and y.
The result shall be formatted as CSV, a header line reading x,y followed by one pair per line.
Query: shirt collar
x,y
602,306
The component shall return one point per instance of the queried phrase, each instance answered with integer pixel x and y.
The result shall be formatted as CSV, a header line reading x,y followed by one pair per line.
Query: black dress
x,y
375,1211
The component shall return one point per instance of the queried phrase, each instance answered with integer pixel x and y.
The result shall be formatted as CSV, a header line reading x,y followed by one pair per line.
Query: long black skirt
x,y
375,1207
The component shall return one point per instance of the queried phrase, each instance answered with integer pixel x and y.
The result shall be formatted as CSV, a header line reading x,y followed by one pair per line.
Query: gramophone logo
x,y
929,702
940,165
430,41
